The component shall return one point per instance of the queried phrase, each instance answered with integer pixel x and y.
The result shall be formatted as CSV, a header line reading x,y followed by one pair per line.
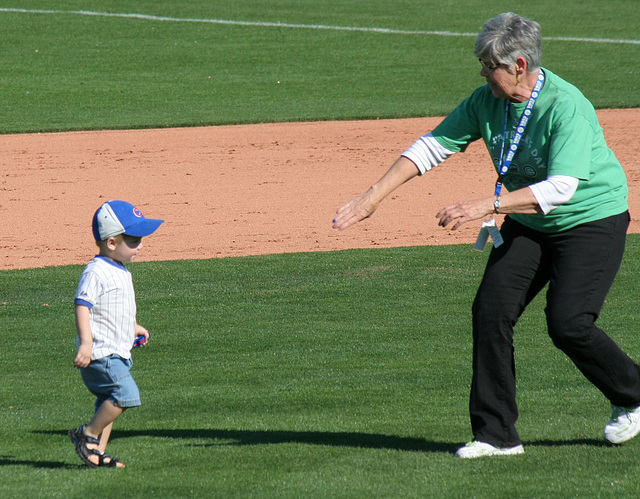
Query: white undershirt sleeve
x,y
554,191
426,152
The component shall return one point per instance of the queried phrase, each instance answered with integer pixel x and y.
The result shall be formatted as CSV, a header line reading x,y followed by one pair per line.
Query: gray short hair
x,y
507,37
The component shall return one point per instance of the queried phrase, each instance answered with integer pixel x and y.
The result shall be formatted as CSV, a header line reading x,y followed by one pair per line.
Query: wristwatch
x,y
496,205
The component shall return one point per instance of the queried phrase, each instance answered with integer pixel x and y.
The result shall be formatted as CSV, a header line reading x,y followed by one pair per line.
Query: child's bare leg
x,y
104,437
101,425
104,440
106,414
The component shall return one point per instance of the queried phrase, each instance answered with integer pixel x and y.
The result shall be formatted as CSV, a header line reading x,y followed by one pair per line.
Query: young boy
x,y
106,321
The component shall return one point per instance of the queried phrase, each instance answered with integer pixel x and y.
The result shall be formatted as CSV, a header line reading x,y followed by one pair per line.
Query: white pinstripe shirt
x,y
106,288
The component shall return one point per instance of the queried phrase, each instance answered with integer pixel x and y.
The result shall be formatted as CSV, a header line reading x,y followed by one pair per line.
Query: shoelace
x,y
617,411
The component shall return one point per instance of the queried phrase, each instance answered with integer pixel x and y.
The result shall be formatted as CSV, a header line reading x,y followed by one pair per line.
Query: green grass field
x,y
341,374
69,70
314,374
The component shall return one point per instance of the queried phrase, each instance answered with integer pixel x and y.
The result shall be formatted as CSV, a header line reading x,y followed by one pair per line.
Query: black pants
x,y
580,265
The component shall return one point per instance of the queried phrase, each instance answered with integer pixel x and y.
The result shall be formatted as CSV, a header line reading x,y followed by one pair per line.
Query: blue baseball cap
x,y
119,217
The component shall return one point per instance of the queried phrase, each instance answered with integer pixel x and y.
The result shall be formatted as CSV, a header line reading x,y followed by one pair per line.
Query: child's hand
x,y
140,341
83,357
142,336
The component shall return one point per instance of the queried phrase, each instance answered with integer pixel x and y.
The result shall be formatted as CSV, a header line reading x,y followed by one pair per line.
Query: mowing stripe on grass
x,y
301,26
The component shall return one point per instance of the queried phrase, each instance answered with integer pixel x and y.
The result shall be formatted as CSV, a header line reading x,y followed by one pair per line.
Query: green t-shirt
x,y
562,137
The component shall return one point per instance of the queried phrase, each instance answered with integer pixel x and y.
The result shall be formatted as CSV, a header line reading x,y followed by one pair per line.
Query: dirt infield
x,y
242,190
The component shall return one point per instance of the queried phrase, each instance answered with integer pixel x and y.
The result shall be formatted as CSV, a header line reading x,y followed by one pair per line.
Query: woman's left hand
x,y
464,212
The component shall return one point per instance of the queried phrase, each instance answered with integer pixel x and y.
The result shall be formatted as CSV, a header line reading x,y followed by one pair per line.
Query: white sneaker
x,y
480,449
623,426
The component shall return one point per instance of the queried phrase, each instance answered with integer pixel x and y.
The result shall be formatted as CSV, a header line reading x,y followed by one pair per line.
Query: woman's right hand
x,y
363,206
356,210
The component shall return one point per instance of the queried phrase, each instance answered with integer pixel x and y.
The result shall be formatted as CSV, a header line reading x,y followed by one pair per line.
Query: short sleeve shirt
x,y
563,137
106,288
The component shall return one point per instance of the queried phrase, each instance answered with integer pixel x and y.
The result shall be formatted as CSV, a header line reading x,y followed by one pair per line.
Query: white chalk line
x,y
301,26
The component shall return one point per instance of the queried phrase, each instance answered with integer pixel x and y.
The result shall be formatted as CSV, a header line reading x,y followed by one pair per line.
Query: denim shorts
x,y
109,378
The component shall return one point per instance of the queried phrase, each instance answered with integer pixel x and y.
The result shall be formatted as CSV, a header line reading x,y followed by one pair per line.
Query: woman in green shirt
x,y
566,223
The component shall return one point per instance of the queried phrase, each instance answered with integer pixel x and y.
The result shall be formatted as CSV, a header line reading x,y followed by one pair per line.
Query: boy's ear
x,y
111,243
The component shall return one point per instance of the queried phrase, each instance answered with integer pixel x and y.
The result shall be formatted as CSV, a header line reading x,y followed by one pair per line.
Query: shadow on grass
x,y
267,437
264,437
335,439
12,461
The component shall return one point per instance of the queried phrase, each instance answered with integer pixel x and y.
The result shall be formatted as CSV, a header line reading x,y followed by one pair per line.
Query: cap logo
x,y
137,212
